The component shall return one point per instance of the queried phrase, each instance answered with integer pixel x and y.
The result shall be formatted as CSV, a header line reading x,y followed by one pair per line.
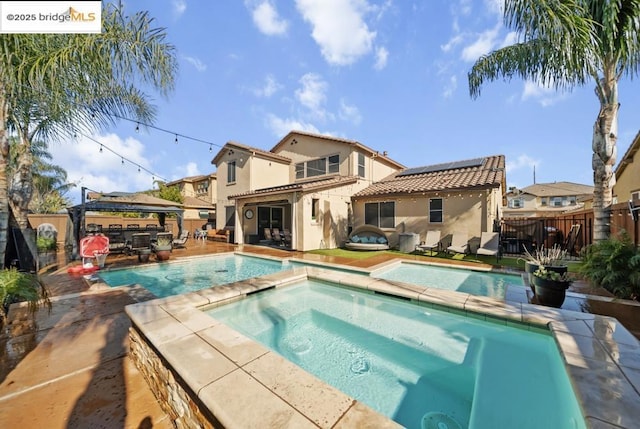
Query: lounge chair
x,y
267,235
286,237
432,241
277,238
489,244
181,240
459,243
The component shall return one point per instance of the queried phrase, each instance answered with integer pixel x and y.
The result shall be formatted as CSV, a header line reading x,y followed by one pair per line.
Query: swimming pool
x,y
420,366
490,284
192,274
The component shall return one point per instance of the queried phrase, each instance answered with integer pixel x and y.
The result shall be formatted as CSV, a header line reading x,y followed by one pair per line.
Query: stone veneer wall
x,y
175,398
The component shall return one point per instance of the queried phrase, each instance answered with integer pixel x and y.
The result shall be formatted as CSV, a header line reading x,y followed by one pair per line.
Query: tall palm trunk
x,y
4,158
605,136
21,189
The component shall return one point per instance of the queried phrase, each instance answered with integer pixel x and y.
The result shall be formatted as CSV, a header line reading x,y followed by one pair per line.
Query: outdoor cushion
x,y
382,240
355,239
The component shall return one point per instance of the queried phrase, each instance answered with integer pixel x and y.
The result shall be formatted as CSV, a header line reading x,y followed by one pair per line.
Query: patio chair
x,y
181,240
459,243
489,245
432,241
277,238
140,242
286,237
267,235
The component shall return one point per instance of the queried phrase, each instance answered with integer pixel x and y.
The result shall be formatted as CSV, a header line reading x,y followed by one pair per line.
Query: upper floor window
x,y
231,172
543,201
573,200
318,167
381,215
515,203
558,201
202,187
635,195
361,164
435,210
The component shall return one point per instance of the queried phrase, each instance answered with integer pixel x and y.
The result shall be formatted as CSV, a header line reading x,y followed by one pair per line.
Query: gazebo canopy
x,y
123,202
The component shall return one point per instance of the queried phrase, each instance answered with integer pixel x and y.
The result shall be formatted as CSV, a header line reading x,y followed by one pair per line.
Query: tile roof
x,y
192,179
558,189
195,202
254,150
328,182
490,174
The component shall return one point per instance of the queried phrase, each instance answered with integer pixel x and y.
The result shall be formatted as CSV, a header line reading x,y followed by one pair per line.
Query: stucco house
x,y
199,196
461,196
627,173
303,184
547,199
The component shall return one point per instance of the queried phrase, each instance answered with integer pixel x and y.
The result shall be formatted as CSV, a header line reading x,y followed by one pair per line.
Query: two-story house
x,y
546,199
627,173
199,196
303,184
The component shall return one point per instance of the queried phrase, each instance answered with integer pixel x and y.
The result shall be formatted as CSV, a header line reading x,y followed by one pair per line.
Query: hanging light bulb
x,y
138,169
137,127
210,148
100,148
176,140
122,161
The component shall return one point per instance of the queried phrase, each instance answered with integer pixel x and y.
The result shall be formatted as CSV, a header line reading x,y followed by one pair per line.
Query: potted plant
x,y
162,248
552,258
47,250
17,286
550,286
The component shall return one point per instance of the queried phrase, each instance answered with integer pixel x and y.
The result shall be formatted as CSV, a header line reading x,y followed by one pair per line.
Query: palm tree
x,y
56,85
49,180
567,43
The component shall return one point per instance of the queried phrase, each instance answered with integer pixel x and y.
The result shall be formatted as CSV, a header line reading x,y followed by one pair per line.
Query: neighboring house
x,y
303,184
199,196
627,172
547,199
463,196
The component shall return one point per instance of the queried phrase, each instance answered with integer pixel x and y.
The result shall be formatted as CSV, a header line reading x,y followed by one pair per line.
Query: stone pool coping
x,y
243,384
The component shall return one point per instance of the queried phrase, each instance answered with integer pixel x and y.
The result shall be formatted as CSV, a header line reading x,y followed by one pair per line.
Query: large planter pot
x,y
163,253
550,292
530,268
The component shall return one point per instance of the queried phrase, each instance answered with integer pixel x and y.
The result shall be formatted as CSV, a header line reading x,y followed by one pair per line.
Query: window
x,y
231,172
361,164
230,216
435,210
315,208
543,201
556,201
635,195
515,203
381,215
573,201
318,167
202,187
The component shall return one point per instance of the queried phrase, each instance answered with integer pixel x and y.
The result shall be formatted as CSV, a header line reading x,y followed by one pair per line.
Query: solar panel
x,y
475,162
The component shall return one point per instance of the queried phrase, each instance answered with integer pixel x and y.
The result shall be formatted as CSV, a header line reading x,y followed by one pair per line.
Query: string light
x,y
100,148
210,148
176,140
137,127
122,161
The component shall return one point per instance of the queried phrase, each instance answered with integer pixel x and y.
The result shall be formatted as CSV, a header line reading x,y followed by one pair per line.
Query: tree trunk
x,y
605,136
4,158
21,188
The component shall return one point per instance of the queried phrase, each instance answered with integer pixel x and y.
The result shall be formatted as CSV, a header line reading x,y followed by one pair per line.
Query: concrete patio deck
x,y
70,368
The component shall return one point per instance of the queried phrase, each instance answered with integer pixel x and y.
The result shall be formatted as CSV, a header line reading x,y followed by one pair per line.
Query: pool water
x,y
179,277
421,367
493,285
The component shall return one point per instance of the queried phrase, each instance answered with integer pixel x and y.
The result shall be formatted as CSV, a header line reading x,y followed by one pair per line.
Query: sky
x,y
390,74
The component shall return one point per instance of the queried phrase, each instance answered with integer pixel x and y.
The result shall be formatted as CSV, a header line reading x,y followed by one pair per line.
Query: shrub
x,y
45,243
613,264
17,286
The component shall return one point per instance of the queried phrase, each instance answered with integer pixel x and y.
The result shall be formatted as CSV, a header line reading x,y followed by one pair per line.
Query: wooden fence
x,y
572,230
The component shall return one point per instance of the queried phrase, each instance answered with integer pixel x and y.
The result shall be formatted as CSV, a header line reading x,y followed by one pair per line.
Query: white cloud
x,y
179,7
338,27
188,170
349,113
521,162
199,65
382,55
484,43
450,87
270,87
546,95
494,7
281,127
312,95
455,40
266,18
104,171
